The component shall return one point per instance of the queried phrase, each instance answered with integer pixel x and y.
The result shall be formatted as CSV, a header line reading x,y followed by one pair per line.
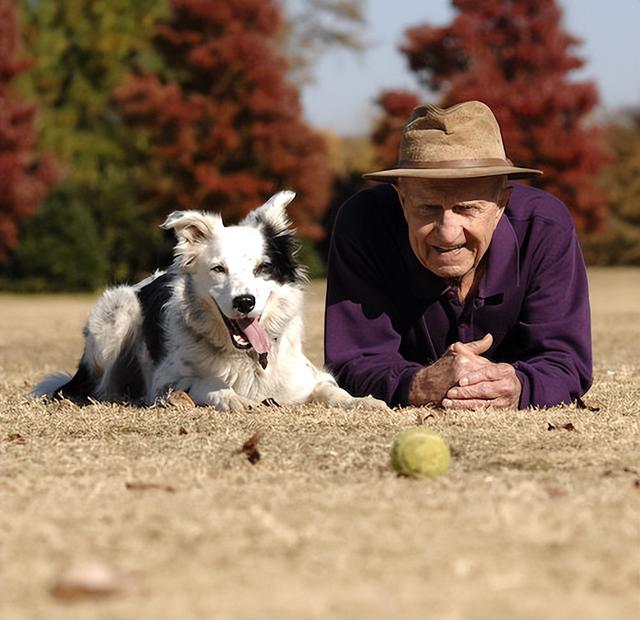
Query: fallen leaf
x,y
270,402
580,404
250,448
16,438
179,399
636,483
567,427
87,579
182,430
149,486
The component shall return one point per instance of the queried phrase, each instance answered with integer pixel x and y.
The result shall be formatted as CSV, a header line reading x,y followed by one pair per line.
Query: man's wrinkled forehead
x,y
457,190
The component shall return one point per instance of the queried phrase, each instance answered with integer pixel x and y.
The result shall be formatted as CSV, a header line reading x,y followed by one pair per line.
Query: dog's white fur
x,y
214,264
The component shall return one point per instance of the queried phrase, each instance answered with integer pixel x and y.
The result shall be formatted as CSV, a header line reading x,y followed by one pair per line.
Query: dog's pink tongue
x,y
255,335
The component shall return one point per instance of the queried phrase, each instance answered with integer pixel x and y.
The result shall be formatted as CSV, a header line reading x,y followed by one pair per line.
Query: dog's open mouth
x,y
248,333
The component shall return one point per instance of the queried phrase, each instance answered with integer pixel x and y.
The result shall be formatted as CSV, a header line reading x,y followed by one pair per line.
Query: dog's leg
x,y
327,392
79,387
215,393
207,391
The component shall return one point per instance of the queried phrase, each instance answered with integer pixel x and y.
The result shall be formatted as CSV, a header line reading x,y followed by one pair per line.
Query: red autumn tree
x,y
24,178
225,126
515,56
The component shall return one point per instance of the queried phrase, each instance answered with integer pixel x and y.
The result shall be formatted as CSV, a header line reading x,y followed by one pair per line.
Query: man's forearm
x,y
547,382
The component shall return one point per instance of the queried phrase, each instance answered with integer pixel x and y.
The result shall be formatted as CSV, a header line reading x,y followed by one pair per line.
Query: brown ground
x,y
528,522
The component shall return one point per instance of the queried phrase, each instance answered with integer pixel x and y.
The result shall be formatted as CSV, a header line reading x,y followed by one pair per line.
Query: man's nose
x,y
448,226
244,303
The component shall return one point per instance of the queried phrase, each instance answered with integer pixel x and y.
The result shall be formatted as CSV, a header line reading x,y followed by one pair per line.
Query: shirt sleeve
x,y
554,328
361,341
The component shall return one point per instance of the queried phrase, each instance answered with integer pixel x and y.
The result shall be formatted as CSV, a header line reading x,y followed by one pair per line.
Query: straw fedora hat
x,y
459,142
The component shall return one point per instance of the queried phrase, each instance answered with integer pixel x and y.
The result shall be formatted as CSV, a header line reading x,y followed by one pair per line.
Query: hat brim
x,y
511,172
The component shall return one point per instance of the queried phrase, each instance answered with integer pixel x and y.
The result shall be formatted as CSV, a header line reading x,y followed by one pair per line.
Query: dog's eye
x,y
218,269
262,268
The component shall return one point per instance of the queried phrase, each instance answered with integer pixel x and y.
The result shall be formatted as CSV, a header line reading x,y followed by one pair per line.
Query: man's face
x,y
451,222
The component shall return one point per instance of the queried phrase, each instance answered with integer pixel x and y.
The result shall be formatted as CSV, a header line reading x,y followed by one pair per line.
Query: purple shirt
x,y
387,316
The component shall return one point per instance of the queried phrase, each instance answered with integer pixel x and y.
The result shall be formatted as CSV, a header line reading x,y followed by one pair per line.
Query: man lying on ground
x,y
452,286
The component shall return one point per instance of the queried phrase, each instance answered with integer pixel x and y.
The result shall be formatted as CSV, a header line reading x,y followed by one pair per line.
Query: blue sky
x,y
345,84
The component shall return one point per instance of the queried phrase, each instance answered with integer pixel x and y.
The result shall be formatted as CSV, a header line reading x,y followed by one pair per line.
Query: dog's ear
x,y
192,226
281,245
273,213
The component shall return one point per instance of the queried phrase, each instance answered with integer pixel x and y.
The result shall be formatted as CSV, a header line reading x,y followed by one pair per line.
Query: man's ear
x,y
192,226
503,198
397,185
272,213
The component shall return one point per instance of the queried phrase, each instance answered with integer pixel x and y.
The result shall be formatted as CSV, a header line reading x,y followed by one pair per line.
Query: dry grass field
x,y
528,522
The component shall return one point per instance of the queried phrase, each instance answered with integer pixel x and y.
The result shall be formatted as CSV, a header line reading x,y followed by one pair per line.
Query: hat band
x,y
488,162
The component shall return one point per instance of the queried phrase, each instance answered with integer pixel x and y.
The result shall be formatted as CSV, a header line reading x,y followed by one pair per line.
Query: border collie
x,y
223,323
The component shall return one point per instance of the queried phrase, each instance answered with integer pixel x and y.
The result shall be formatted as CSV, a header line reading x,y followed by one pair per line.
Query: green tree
x,y
620,181
61,249
82,50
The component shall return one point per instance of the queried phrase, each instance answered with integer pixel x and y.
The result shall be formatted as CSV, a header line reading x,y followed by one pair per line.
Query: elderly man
x,y
450,286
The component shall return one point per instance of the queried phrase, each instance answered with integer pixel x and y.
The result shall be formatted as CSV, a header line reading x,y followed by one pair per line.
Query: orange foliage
x,y
24,179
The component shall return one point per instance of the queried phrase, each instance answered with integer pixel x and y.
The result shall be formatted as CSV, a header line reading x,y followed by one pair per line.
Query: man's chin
x,y
449,272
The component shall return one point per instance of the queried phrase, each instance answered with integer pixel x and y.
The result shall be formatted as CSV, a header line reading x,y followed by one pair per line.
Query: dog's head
x,y
238,267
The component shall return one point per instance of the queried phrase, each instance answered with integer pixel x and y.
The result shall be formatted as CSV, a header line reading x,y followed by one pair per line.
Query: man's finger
x,y
477,347
484,390
481,346
490,372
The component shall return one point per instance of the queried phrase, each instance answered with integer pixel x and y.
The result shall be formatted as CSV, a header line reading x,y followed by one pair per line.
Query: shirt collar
x,y
503,261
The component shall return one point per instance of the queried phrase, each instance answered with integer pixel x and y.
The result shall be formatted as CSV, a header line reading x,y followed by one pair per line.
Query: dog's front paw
x,y
228,400
365,402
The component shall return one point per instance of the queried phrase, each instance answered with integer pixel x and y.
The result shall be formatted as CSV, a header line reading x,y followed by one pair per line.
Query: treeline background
x,y
114,113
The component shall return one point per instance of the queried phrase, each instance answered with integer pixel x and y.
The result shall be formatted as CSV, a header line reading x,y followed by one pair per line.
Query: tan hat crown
x,y
462,141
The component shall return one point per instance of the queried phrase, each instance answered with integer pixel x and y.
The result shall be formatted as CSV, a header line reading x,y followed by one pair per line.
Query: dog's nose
x,y
244,303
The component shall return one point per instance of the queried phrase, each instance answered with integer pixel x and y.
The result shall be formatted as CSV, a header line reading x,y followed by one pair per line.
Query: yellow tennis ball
x,y
419,453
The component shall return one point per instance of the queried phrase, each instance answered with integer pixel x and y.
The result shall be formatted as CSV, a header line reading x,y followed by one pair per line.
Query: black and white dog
x,y
223,323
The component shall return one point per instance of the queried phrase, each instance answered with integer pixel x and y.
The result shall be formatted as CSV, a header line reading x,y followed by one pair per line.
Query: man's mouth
x,y
448,249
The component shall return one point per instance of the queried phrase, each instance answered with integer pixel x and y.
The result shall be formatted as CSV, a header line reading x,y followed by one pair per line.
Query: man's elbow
x,y
552,386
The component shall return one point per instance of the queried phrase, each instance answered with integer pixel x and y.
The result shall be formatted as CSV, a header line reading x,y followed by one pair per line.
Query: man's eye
x,y
262,268
465,209
218,269
428,209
